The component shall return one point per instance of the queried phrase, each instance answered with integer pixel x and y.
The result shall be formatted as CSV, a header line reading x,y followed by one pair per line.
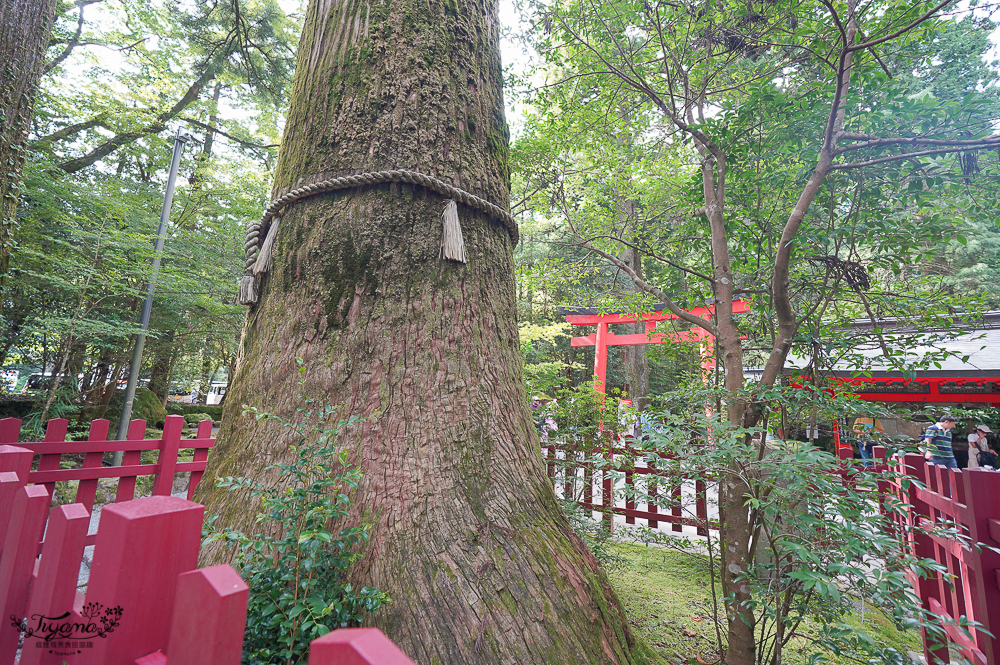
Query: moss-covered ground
x,y
668,601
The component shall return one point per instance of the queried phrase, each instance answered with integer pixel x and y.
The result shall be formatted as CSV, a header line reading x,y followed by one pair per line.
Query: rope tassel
x,y
263,263
452,245
248,290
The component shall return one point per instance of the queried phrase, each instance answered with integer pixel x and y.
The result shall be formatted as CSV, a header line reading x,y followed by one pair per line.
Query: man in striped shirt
x,y
937,440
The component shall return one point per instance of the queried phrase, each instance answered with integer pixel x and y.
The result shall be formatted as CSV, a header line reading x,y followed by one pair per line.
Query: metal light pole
x,y
140,338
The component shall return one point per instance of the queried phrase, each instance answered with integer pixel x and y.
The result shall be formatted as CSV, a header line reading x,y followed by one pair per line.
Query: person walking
x,y
980,453
937,442
865,429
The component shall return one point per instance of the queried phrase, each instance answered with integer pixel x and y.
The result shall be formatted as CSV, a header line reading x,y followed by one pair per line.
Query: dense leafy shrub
x,y
297,563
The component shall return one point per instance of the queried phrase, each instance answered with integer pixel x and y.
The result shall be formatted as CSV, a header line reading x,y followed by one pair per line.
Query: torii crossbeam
x,y
603,338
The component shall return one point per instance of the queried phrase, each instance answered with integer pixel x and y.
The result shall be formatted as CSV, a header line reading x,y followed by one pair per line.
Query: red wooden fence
x,y
643,480
145,601
969,501
51,451
144,593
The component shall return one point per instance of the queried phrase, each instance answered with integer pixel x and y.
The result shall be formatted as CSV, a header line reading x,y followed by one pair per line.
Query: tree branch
x,y
244,142
875,42
45,142
648,251
704,324
910,155
74,40
157,126
960,144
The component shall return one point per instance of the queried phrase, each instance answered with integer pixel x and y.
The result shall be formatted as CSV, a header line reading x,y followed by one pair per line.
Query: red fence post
x,y
607,489
675,507
701,506
54,590
55,432
142,546
10,430
923,546
170,444
652,488
356,646
588,486
569,474
126,486
16,459
629,497
200,455
982,487
210,616
27,524
87,489
15,463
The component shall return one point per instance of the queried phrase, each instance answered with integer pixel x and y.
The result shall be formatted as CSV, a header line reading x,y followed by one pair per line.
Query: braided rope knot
x,y
379,177
257,260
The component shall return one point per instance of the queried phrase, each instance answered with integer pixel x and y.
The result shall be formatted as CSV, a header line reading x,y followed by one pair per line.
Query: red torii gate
x,y
603,338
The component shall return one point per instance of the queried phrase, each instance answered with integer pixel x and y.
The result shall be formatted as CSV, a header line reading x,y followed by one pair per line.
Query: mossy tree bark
x,y
467,536
24,37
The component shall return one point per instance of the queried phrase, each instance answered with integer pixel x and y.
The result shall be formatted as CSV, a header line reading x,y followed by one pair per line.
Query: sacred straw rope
x,y
248,294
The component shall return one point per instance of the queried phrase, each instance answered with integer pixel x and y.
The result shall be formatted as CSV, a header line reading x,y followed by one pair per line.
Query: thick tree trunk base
x,y
468,538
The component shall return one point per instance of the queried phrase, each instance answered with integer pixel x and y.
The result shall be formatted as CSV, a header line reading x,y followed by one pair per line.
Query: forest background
x,y
122,75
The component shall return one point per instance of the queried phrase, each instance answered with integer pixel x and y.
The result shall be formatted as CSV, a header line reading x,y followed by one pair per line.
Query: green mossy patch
x,y
214,411
146,406
668,601
341,276
16,408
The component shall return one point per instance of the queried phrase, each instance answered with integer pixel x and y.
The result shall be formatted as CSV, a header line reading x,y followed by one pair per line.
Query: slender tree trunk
x,y
636,362
109,390
24,37
207,373
467,536
163,363
213,118
736,528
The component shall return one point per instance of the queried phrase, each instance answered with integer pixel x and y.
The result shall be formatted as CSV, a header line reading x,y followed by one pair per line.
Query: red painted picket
x,y
356,646
18,561
54,589
209,601
135,564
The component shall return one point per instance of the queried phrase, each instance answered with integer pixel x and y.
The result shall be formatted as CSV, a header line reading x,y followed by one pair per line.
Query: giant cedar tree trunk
x,y
467,536
24,37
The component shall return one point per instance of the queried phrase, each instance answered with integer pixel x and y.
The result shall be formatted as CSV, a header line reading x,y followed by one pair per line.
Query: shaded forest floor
x,y
668,601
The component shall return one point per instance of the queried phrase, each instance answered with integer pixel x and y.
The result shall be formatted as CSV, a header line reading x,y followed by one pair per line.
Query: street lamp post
x,y
140,338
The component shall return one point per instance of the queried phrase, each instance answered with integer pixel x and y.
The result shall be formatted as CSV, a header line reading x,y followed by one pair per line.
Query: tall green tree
x,y
817,177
